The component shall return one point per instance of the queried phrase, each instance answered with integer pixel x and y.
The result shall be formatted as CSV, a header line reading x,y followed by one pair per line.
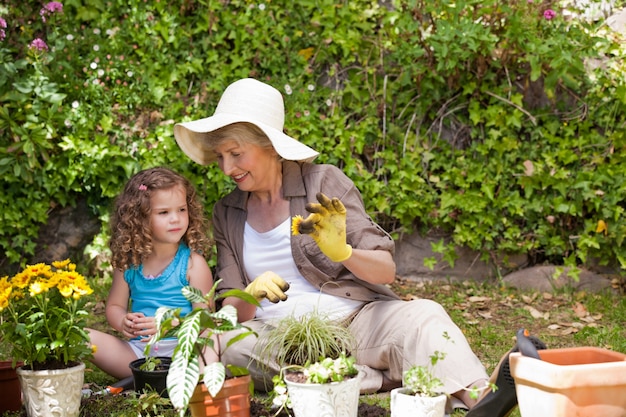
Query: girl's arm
x,y
199,274
117,305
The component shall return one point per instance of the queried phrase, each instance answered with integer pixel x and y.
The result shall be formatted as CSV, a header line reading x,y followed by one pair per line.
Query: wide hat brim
x,y
246,100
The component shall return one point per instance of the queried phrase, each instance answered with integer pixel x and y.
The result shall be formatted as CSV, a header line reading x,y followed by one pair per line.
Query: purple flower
x,y
39,45
3,25
50,8
549,14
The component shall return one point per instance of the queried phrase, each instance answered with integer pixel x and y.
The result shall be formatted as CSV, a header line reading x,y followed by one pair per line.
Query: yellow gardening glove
x,y
327,226
268,285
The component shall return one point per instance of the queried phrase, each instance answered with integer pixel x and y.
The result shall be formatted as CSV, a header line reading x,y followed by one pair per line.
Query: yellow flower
x,y
295,224
61,264
94,349
5,292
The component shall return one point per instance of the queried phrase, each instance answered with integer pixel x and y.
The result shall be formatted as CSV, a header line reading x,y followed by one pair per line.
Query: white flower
x,y
96,31
93,65
262,6
310,87
96,48
69,37
129,74
75,104
288,90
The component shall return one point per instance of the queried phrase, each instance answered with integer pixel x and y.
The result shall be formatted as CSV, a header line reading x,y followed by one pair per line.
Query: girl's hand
x,y
145,327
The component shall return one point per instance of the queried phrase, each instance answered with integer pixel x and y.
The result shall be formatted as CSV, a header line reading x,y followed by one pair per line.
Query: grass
x,y
488,314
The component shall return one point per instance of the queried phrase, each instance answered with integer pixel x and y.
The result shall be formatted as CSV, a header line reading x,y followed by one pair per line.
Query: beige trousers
x,y
391,337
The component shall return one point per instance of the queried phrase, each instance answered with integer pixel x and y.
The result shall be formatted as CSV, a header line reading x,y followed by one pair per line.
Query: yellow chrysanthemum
x,y
61,264
5,292
37,287
295,224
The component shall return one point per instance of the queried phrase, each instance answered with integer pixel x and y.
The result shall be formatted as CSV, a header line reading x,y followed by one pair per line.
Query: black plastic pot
x,y
155,380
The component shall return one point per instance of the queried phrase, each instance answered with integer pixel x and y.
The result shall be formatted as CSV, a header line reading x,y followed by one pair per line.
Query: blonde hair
x,y
242,133
131,235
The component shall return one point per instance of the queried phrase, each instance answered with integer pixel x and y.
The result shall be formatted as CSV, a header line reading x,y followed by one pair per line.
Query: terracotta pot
x,y
155,380
52,393
335,399
11,398
404,404
581,381
233,400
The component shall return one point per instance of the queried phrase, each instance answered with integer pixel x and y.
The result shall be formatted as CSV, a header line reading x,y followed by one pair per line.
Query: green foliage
x,y
198,333
43,318
306,339
481,119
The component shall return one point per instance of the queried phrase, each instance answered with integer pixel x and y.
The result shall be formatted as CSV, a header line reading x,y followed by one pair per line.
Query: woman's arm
x,y
373,266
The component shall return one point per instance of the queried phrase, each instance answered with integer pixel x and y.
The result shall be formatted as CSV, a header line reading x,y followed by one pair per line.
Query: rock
x,y
542,278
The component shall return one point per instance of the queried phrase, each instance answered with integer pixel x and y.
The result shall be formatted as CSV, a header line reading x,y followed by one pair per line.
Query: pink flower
x,y
50,8
3,25
38,44
549,14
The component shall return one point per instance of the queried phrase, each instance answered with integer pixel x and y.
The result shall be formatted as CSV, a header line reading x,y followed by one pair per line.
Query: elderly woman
x,y
339,243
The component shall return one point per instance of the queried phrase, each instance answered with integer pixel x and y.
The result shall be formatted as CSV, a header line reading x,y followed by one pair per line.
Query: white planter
x,y
336,399
409,405
52,393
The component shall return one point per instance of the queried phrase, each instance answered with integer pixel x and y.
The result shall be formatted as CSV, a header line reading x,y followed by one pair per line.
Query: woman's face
x,y
247,164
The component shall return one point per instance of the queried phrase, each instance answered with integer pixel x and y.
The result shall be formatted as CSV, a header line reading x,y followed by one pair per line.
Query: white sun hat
x,y
245,100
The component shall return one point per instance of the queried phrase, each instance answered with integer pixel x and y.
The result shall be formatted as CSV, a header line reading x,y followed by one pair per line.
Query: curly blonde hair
x,y
131,235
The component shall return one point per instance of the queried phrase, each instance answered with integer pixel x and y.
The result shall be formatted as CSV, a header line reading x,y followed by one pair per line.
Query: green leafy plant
x,y
196,332
150,363
306,339
420,380
43,320
325,371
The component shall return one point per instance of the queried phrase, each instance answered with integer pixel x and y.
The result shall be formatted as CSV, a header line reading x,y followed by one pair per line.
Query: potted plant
x,y
421,391
329,387
305,339
11,399
205,391
43,323
150,373
317,374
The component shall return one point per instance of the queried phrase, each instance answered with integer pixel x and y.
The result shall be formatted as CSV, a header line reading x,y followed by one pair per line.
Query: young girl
x,y
158,236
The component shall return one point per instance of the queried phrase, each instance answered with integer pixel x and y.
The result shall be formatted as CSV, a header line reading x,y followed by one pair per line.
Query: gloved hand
x,y
327,226
268,285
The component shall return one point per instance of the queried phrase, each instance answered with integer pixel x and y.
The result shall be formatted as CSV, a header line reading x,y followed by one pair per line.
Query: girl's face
x,y
169,217
247,164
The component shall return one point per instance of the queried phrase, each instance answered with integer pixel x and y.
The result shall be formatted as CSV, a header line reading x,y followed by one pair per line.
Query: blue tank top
x,y
148,294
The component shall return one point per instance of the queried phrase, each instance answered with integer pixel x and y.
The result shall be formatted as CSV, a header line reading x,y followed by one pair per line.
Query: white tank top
x,y
271,251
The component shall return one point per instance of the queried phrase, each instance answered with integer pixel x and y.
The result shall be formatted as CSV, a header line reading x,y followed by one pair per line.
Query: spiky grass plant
x,y
307,339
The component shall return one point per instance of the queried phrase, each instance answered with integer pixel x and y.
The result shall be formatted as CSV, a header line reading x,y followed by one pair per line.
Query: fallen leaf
x,y
485,314
536,313
477,299
580,310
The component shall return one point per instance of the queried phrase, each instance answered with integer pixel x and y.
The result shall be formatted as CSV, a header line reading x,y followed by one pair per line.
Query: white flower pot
x,y
409,405
52,393
335,399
